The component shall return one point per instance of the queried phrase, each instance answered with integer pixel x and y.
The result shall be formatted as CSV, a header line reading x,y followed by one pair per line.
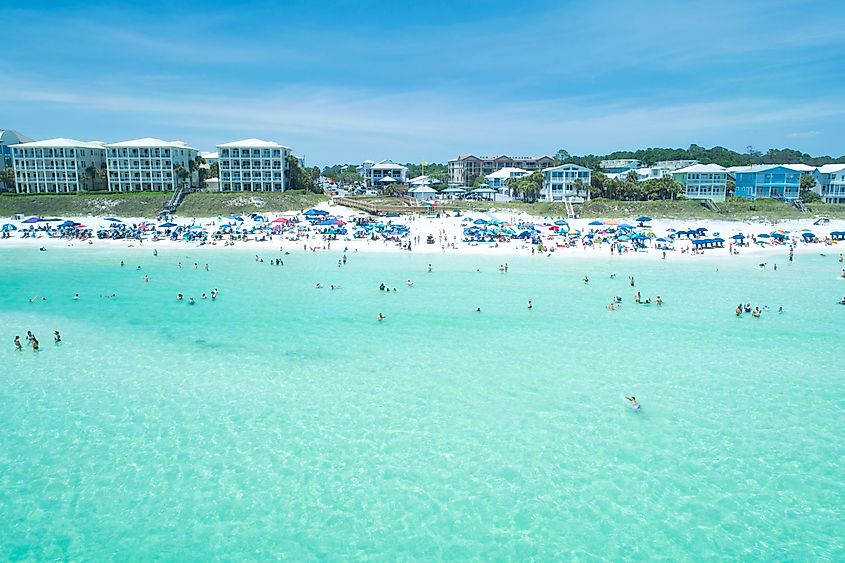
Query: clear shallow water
x,y
282,420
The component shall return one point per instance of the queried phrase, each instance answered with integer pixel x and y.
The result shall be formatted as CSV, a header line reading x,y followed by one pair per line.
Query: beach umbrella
x,y
167,225
764,235
671,230
701,229
280,220
9,227
596,223
643,219
611,222
808,235
738,237
625,226
479,222
561,223
113,220
32,220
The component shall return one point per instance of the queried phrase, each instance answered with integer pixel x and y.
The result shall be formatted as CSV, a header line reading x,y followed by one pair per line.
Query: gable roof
x,y
569,166
695,168
506,172
831,168
253,144
61,143
150,142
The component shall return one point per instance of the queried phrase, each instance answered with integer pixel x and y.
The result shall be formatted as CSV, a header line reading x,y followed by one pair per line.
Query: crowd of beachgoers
x,y
447,232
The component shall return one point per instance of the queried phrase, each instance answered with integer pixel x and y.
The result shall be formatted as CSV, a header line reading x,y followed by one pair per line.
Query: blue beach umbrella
x,y
561,223
596,223
643,219
808,235
113,220
738,237
167,225
764,235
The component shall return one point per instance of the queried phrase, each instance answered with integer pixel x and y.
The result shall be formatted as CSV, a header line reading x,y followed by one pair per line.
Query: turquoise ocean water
x,y
284,421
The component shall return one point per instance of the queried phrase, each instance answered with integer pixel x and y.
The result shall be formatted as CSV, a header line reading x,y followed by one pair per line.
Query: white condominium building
x,y
57,165
830,183
253,165
149,165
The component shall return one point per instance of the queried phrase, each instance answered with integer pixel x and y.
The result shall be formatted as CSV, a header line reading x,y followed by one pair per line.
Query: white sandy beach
x,y
448,232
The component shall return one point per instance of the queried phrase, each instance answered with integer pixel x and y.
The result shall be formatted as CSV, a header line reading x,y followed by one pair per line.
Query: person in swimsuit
x,y
57,337
633,400
18,343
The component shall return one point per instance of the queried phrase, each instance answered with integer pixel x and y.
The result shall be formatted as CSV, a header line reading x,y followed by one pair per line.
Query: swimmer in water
x,y
34,344
478,309
204,296
756,312
57,337
76,297
739,310
633,400
658,301
530,305
18,343
409,283
318,285
191,301
178,297
380,317
586,280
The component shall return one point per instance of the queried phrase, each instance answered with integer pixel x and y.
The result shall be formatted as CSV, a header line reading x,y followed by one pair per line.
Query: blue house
x,y
772,181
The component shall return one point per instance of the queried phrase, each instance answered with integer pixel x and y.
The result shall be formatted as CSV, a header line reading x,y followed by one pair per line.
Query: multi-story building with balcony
x,y
466,168
383,172
830,182
703,181
7,139
149,165
57,165
769,181
619,165
253,165
566,182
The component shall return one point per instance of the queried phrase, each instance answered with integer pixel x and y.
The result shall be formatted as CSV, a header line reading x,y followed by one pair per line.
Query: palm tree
x,y
91,174
181,174
198,165
7,178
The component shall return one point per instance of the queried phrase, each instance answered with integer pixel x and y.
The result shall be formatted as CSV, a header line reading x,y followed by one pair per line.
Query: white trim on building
x,y
56,165
253,165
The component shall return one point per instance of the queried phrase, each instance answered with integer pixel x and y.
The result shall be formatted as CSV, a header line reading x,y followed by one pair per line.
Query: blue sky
x,y
412,81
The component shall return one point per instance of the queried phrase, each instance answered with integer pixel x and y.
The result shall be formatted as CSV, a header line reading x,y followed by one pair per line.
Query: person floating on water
x,y
633,400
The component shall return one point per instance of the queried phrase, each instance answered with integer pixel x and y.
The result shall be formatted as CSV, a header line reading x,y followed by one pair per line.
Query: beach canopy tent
x,y
113,220
626,226
808,235
561,223
69,224
738,237
280,220
315,212
480,222
837,235
167,225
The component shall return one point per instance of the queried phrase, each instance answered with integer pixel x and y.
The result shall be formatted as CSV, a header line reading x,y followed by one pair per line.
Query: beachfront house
x,y
7,139
703,181
149,164
466,168
498,180
253,165
830,182
383,173
57,165
619,165
773,181
566,182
